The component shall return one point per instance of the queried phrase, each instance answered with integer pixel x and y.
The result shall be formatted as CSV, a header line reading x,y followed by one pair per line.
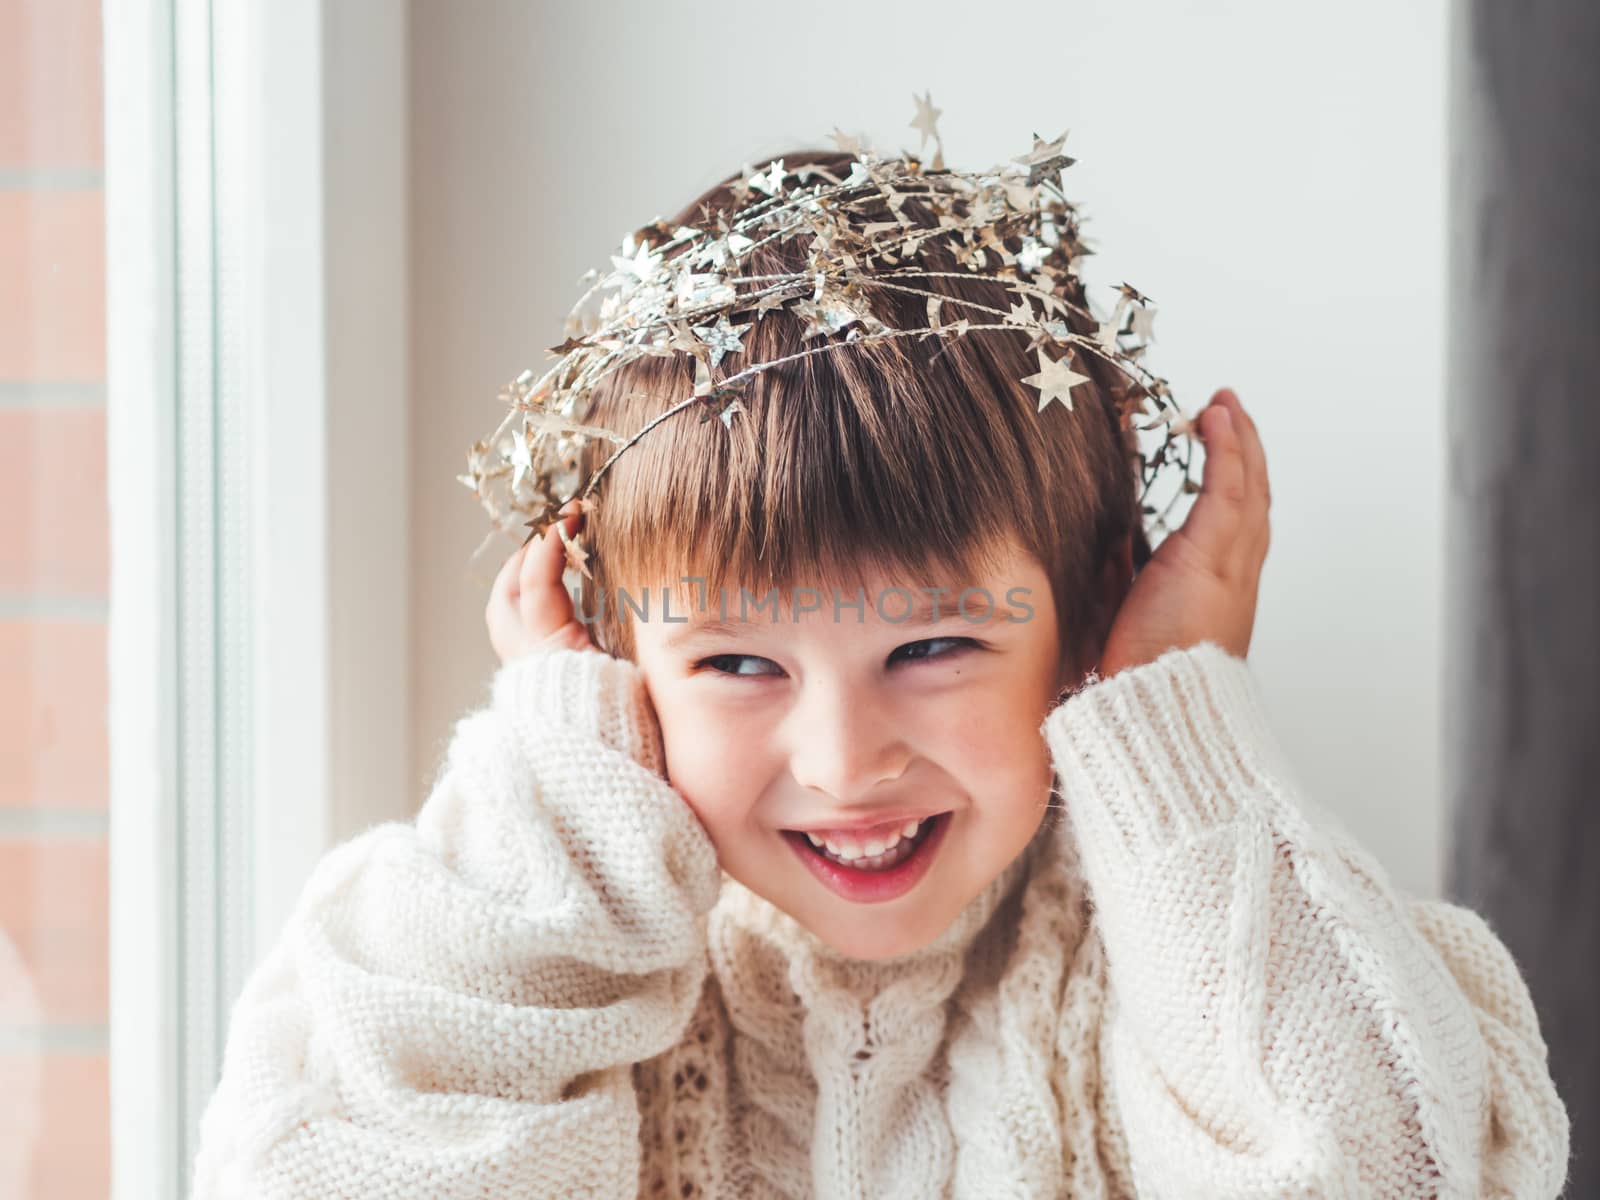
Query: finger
x,y
500,613
1213,524
1257,515
544,601
505,582
1255,455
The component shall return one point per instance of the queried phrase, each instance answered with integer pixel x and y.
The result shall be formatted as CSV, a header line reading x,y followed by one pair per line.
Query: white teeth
x,y
875,862
847,847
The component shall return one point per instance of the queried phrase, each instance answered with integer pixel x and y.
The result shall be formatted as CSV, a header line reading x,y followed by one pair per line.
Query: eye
x,y
919,651
719,664
732,665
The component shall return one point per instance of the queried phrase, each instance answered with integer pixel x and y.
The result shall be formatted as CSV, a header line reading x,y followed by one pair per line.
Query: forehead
x,y
1013,590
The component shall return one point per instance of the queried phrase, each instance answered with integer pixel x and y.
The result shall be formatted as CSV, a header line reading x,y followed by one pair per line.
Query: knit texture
x,y
1192,984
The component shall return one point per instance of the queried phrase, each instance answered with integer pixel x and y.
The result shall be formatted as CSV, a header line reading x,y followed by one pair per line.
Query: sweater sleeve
x,y
1279,1022
456,1003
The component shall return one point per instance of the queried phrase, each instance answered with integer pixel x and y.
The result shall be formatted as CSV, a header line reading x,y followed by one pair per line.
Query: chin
x,y
876,944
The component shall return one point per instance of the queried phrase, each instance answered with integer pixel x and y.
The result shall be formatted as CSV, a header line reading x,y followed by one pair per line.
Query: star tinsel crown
x,y
676,291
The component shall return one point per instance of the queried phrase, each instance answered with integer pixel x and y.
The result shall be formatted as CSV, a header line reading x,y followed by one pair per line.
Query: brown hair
x,y
916,457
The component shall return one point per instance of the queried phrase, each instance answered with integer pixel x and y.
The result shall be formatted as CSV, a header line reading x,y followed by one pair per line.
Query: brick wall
x,y
53,603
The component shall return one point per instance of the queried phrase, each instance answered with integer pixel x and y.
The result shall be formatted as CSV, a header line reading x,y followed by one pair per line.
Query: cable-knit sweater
x,y
1190,984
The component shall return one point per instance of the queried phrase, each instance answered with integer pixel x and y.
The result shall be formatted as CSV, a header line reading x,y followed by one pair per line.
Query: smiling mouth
x,y
885,849
877,878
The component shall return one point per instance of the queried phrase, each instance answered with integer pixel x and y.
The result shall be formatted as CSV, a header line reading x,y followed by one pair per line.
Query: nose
x,y
845,743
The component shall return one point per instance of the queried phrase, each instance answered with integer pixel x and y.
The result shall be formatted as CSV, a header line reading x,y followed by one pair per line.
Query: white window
x,y
257,697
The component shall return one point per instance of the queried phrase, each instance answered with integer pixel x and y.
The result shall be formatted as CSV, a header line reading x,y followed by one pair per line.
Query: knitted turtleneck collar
x,y
840,1059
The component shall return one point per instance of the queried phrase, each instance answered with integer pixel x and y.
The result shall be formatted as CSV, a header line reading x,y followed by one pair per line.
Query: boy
x,y
711,905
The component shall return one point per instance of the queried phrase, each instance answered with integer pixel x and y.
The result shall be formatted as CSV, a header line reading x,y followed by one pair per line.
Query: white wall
x,y
1271,174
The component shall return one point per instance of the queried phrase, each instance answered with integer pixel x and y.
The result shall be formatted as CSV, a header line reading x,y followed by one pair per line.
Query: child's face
x,y
858,722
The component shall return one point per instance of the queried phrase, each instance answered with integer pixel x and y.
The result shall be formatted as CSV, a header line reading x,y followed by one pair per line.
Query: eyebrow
x,y
921,614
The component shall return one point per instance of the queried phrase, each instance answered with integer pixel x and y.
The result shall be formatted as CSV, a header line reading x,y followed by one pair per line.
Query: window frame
x,y
258,706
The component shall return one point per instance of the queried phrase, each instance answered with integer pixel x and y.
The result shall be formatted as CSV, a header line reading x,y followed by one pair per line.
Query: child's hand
x,y
1201,582
529,607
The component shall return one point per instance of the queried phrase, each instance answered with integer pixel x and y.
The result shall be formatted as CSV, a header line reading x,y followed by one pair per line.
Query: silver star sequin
x,y
722,338
1055,381
926,122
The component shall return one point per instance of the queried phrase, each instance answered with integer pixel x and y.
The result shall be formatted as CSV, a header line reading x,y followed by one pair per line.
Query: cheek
x,y
992,741
978,721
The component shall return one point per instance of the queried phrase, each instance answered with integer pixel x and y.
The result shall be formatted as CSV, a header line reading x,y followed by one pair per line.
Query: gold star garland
x,y
672,291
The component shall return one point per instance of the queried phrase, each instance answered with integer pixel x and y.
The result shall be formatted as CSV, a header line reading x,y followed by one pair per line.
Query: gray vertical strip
x,y
1522,639
234,537
212,490
195,585
213,533
143,622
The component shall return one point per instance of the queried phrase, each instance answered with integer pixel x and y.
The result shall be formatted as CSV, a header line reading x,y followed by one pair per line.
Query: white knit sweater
x,y
1192,986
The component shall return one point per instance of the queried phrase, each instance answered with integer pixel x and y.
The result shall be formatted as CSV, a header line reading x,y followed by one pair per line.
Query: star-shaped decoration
x,y
638,261
549,512
702,377
1054,302
859,175
722,338
727,414
846,143
1042,150
681,339
520,457
771,300
771,182
577,556
739,189
1182,424
824,318
1045,162
698,289
545,421
478,458
1049,331
566,347
969,256
1021,313
926,122
1032,255
1021,196
719,250
1144,323
1055,380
